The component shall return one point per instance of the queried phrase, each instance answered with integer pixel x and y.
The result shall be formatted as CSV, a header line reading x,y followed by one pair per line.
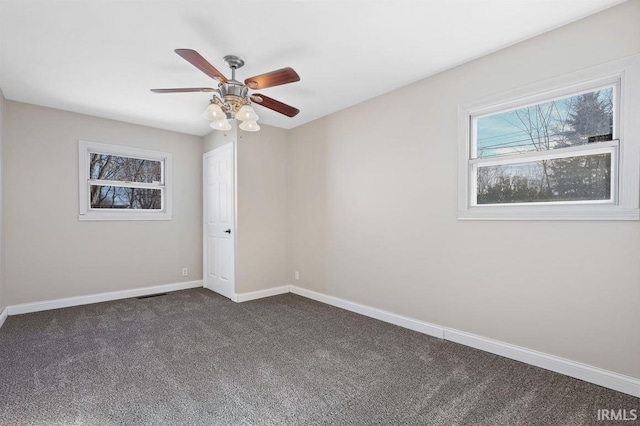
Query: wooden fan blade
x,y
201,63
273,78
190,89
277,106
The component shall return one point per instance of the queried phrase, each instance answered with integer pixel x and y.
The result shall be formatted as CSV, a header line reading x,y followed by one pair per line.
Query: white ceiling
x,y
101,57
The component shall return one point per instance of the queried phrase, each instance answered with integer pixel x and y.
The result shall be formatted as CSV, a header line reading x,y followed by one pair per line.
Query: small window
x,y
121,183
554,154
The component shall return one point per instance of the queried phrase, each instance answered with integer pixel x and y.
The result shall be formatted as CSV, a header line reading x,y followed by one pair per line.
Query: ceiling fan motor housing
x,y
234,94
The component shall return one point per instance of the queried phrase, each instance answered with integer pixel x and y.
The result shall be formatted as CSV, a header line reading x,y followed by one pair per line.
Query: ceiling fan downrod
x,y
233,93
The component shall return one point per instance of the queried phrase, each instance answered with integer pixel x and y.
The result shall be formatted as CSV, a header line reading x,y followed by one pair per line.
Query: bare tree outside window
x,y
572,121
115,169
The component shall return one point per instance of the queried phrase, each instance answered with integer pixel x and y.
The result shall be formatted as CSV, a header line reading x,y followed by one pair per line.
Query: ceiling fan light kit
x,y
214,113
249,126
220,125
246,113
231,100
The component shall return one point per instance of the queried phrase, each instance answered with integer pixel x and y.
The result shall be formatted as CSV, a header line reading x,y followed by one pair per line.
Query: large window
x,y
565,149
121,183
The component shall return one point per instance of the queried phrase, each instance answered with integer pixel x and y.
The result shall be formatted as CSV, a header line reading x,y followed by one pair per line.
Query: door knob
x,y
228,231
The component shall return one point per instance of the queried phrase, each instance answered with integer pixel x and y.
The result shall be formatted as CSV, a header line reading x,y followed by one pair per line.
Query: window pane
x,y
575,120
580,178
116,197
111,167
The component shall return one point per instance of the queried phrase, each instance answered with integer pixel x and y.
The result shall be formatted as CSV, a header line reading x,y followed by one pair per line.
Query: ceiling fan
x,y
232,99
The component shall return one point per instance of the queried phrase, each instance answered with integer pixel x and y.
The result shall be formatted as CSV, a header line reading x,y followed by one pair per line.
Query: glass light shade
x,y
250,126
246,113
221,124
214,113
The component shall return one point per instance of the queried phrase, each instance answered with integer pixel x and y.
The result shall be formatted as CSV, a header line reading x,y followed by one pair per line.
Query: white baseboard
x,y
379,314
274,291
3,316
26,308
598,376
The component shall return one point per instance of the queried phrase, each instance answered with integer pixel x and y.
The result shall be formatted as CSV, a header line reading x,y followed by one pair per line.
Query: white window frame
x,y
624,75
85,148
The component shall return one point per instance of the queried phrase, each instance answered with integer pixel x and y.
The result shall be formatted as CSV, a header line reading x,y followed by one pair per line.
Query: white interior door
x,y
219,221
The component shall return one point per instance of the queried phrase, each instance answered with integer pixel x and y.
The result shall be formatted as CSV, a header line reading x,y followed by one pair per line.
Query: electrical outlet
x,y
297,275
185,272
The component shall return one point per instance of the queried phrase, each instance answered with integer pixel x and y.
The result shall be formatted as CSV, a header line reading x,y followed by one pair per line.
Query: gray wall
x,y
66,258
217,138
262,209
372,214
51,253
262,205
3,304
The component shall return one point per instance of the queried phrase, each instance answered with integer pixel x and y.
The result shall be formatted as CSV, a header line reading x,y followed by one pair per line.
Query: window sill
x,y
549,213
108,216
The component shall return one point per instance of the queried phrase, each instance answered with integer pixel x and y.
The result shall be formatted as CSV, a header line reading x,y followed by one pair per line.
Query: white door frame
x,y
205,254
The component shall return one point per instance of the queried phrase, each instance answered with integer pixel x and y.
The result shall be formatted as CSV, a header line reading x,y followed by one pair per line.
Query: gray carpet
x,y
193,357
